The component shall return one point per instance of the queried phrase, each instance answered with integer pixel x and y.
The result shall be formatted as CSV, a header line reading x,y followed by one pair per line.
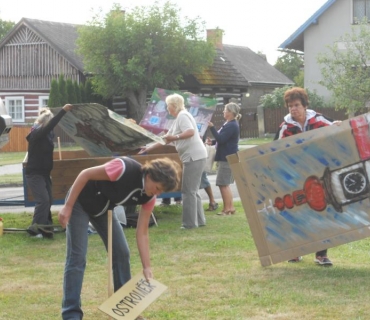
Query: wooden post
x,y
60,151
110,261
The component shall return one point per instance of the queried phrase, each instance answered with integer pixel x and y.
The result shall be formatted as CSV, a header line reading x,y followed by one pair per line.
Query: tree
x,y
5,27
77,91
291,64
345,71
54,97
275,99
132,53
63,94
71,94
82,92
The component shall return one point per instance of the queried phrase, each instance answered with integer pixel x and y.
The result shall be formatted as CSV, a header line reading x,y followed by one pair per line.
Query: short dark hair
x,y
165,171
296,93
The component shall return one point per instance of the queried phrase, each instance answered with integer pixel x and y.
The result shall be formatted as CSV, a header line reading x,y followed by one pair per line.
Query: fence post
x,y
261,121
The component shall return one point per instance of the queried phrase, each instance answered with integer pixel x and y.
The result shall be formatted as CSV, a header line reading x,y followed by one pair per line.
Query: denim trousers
x,y
192,207
77,242
40,187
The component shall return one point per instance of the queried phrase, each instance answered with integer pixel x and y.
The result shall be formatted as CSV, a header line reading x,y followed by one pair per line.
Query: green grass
x,y
211,273
255,141
11,157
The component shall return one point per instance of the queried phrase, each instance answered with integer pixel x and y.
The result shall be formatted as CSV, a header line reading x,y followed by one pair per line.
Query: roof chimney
x,y
215,36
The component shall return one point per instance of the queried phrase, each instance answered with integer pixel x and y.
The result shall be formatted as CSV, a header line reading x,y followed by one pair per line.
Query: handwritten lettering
x,y
142,289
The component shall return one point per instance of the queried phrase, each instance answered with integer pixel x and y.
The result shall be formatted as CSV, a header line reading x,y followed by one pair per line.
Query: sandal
x,y
223,213
212,206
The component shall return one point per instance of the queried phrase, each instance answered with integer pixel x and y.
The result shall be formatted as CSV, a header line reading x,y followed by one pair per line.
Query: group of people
x,y
125,181
193,154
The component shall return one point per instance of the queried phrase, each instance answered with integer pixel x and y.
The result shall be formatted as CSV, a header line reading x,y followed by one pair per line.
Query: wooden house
x,y
31,55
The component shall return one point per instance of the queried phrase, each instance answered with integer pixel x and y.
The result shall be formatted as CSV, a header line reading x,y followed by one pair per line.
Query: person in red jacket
x,y
301,119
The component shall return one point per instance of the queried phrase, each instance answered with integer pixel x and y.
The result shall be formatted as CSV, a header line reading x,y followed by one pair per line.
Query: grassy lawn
x,y
211,273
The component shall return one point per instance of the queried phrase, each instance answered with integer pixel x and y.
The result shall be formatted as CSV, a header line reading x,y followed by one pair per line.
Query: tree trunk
x,y
137,104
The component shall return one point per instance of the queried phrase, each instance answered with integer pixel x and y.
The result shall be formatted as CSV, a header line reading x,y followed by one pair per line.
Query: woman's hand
x,y
210,124
148,274
64,215
67,107
209,141
170,138
143,150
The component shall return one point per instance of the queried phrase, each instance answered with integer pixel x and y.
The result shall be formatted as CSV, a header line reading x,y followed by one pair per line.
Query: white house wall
x,y
332,24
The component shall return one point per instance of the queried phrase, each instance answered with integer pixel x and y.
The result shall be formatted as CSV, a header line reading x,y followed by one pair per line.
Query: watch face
x,y
354,182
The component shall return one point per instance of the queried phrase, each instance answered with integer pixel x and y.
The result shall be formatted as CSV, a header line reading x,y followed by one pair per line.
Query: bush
x,y
275,99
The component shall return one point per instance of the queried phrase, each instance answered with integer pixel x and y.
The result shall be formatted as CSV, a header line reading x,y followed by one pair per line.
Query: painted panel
x,y
102,132
157,119
307,192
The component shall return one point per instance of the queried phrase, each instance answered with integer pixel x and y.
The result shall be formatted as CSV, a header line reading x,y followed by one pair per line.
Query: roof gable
x,y
221,73
254,67
60,36
296,40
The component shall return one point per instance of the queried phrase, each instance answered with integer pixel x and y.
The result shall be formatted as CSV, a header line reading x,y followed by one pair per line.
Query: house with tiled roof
x,y
35,51
237,72
332,20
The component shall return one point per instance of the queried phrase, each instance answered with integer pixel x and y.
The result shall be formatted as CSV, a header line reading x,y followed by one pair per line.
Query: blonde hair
x,y
177,101
45,115
234,109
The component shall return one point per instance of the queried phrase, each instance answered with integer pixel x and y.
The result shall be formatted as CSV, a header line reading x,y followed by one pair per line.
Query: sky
x,y
261,25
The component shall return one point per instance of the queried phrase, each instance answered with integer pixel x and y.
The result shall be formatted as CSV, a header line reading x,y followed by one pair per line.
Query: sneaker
x,y
323,261
296,259
37,236
140,318
33,230
47,232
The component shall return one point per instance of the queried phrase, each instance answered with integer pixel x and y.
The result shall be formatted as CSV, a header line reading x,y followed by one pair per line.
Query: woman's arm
x,y
225,134
183,135
142,239
93,173
146,149
43,131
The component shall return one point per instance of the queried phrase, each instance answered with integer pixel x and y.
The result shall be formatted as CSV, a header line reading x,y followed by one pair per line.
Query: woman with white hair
x,y
185,136
38,169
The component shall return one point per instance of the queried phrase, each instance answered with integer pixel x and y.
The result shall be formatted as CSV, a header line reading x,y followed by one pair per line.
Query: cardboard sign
x,y
157,119
307,192
133,298
102,132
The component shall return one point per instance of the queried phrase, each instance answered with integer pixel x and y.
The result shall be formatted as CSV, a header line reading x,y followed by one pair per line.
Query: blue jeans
x,y
77,241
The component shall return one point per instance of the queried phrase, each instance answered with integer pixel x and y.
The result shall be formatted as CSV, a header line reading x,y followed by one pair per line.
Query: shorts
x,y
224,174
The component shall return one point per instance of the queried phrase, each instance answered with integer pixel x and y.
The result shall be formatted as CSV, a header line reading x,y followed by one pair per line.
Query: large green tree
x,y
345,68
291,64
130,54
5,27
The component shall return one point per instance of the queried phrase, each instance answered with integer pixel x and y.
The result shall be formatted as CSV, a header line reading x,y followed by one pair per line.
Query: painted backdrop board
x,y
157,119
307,192
102,132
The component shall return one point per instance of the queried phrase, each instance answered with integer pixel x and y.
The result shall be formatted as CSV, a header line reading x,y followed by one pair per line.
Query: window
x,y
43,101
15,108
361,9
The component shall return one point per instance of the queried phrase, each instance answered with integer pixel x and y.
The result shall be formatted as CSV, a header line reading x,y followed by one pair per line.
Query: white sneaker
x,y
38,236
